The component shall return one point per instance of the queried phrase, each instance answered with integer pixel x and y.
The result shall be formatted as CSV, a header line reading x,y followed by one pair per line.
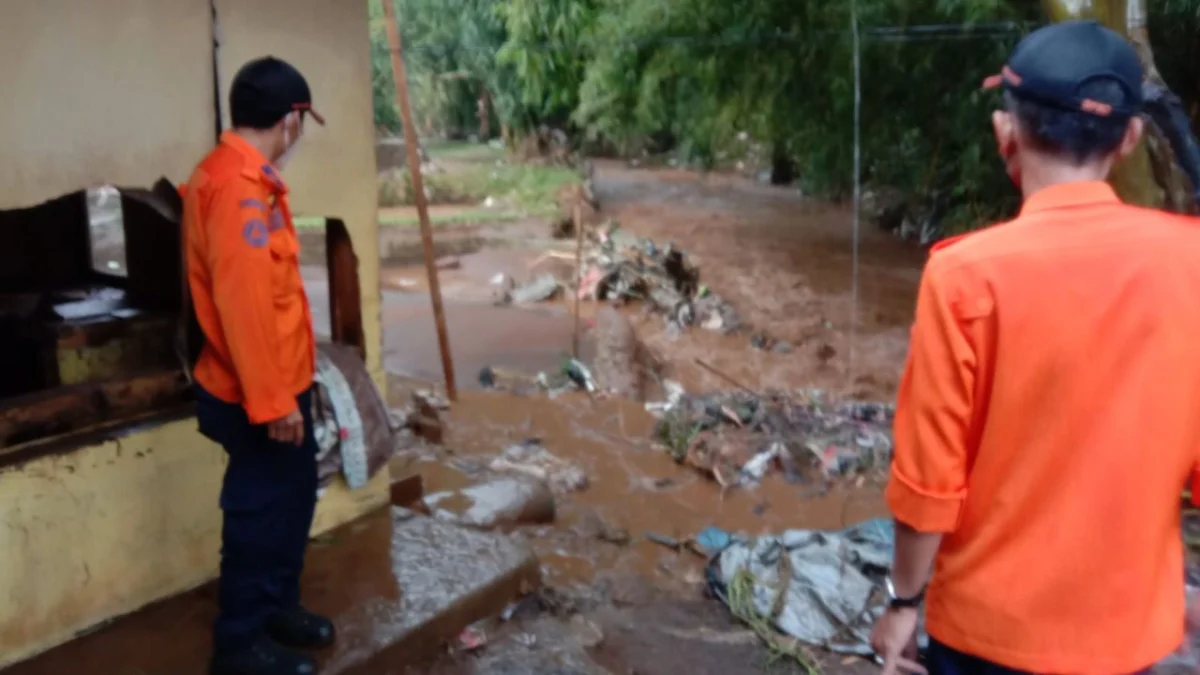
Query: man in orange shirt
x,y
255,372
1047,419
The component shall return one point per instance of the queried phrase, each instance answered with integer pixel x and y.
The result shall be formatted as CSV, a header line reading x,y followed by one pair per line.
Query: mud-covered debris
x,y
531,458
539,289
766,343
617,366
713,540
448,263
822,588
487,377
738,437
472,639
501,502
437,401
886,207
674,394
586,632
580,374
424,419
527,606
663,540
659,275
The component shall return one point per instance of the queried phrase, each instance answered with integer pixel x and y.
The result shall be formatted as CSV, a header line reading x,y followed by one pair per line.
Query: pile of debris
x,y
738,437
636,269
822,588
659,275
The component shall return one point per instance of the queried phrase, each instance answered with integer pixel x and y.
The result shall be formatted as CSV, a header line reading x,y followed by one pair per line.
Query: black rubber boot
x,y
264,657
301,629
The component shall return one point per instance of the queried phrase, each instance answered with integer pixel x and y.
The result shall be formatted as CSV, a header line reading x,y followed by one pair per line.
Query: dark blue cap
x,y
1052,64
266,90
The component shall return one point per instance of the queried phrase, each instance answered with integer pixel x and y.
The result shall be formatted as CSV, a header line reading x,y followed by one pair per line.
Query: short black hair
x,y
1073,134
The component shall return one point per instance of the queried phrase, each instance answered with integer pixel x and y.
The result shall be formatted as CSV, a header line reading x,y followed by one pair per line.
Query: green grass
x,y
470,216
471,173
519,188
463,151
464,217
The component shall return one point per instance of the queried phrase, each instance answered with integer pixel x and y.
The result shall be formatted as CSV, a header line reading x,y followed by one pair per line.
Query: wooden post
x,y
578,216
414,172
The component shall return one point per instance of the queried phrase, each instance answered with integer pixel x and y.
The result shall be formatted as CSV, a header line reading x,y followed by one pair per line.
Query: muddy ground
x,y
784,262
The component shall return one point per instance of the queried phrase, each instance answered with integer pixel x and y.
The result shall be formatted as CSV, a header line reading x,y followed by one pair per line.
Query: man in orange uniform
x,y
1047,419
255,373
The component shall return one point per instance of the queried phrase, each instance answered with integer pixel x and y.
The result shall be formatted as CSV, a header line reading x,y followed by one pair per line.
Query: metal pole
x,y
414,171
854,290
578,216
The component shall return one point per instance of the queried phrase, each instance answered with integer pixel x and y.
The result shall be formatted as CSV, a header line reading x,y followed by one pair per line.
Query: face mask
x,y
289,142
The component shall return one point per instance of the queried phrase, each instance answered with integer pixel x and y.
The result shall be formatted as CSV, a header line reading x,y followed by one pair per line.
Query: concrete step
x,y
399,586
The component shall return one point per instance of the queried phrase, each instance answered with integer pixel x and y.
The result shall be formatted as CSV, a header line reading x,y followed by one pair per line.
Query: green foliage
x,y
547,45
712,80
449,49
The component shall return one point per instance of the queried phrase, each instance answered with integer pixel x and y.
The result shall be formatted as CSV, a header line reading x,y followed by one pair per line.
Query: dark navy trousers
x,y
942,660
268,499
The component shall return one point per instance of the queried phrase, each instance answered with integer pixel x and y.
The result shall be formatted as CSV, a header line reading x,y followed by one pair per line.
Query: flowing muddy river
x,y
784,262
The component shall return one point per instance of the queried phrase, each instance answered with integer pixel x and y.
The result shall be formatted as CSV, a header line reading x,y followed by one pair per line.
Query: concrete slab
x,y
398,586
451,577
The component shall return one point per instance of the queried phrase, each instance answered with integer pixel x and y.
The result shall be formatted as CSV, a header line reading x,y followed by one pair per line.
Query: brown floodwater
x,y
785,264
635,489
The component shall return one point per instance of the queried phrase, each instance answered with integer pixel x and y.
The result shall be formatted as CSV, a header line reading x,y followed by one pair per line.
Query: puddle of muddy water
x,y
524,339
637,497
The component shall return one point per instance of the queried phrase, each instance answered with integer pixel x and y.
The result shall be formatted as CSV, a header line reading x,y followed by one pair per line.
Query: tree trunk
x,y
783,169
485,116
1152,176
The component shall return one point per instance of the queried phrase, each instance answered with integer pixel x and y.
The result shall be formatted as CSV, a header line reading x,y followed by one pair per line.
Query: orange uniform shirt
x,y
244,276
1047,421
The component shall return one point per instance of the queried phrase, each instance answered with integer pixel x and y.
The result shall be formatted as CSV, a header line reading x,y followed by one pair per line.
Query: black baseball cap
x,y
266,90
1053,63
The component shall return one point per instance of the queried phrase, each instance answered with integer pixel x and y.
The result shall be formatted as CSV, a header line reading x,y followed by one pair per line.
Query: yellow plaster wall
x,y
95,93
333,170
107,529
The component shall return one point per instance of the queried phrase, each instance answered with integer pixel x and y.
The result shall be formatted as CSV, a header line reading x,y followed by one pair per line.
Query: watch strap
x,y
897,602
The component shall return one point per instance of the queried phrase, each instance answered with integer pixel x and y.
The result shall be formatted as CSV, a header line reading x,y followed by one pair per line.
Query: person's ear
x,y
1005,131
1133,136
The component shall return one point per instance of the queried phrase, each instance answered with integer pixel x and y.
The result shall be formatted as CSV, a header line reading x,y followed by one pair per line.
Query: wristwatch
x,y
897,602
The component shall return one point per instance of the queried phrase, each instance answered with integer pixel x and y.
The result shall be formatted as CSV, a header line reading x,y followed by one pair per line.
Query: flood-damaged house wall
x,y
123,92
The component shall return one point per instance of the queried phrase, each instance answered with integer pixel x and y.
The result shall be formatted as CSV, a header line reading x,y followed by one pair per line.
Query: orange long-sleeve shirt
x,y
1048,418
244,277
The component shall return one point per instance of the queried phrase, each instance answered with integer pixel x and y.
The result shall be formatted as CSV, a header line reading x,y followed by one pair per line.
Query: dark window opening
x,y
91,302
